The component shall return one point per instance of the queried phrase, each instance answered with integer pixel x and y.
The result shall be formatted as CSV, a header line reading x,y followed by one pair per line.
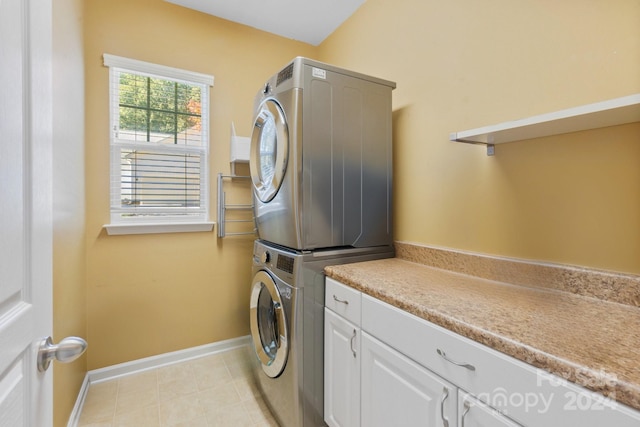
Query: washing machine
x,y
287,326
321,158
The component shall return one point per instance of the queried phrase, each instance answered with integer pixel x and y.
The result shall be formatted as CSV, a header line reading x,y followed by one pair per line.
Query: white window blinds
x,y
159,142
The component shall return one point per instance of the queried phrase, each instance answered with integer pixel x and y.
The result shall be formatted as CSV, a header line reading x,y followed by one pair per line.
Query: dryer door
x,y
268,324
269,149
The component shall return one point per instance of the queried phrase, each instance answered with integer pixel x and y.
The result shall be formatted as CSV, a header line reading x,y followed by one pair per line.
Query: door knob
x,y
68,350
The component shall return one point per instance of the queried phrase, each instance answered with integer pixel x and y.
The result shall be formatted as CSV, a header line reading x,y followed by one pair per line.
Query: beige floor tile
x,y
179,371
138,382
196,422
178,388
212,391
259,412
100,403
213,360
136,399
246,387
240,368
218,397
181,410
229,416
102,393
212,375
87,421
240,353
143,417
97,412
270,422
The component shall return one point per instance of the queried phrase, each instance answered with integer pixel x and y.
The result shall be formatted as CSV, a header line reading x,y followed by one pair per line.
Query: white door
x,y
25,205
341,371
396,391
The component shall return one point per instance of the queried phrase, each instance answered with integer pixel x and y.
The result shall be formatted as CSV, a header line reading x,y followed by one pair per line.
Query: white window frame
x,y
165,223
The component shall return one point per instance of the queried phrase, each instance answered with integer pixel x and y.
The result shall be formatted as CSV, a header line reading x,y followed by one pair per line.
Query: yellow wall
x,y
151,294
463,64
69,291
458,64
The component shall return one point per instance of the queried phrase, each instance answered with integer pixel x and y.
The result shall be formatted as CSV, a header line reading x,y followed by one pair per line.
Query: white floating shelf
x,y
613,112
239,149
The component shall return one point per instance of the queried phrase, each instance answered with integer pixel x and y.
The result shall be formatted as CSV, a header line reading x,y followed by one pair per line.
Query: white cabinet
x,y
341,355
398,392
527,395
474,413
341,371
385,367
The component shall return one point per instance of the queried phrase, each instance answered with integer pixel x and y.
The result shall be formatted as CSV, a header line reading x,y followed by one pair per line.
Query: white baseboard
x,y
97,376
74,418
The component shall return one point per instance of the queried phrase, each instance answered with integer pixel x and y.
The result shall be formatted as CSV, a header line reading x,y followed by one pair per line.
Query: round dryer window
x,y
268,324
269,149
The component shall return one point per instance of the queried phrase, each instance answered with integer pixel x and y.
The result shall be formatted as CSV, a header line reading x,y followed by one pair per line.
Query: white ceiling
x,y
309,21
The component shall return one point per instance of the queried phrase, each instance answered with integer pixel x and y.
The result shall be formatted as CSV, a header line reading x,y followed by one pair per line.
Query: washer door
x,y
269,149
268,324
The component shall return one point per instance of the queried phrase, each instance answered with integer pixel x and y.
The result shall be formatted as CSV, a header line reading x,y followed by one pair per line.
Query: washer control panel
x,y
285,263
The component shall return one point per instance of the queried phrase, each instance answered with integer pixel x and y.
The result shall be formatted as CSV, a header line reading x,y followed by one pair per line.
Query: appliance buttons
x,y
265,257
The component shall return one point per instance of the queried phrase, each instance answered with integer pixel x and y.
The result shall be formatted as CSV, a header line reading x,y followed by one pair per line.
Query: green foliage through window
x,y
159,110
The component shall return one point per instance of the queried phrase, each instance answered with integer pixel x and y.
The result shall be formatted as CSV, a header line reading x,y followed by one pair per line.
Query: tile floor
x,y
216,390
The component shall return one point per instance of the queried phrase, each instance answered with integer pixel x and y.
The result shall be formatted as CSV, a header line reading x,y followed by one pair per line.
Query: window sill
x,y
151,228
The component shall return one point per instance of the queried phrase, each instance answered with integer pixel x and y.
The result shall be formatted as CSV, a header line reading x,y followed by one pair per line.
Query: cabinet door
x,y
474,413
341,371
398,392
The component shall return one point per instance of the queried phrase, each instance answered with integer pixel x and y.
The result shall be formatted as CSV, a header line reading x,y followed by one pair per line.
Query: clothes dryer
x,y
321,158
287,326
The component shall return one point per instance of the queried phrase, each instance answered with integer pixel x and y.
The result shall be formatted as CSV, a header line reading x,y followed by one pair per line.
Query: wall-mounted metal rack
x,y
223,207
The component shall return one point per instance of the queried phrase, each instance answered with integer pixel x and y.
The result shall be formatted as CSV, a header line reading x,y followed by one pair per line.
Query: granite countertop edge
x,y
605,380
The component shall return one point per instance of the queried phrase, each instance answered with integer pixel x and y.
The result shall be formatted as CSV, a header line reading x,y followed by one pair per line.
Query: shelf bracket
x,y
491,149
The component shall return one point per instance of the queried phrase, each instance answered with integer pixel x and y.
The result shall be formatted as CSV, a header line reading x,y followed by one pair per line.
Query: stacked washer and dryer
x,y
321,167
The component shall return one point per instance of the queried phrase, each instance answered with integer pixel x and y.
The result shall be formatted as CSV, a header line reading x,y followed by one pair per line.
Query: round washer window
x,y
268,324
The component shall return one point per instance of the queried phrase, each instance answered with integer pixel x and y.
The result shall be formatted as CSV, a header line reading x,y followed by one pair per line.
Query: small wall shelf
x,y
612,112
239,149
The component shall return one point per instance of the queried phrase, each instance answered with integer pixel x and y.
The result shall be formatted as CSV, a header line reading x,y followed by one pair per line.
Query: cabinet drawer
x,y
524,393
343,300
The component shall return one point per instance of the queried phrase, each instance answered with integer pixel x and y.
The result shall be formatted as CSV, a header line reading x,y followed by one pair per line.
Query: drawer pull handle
x,y
445,395
351,343
336,299
467,406
464,365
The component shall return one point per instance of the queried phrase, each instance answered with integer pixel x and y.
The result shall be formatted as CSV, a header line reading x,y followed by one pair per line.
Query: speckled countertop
x,y
592,342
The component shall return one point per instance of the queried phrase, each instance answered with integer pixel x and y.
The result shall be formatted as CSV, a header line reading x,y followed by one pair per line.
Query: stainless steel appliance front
x,y
287,327
321,158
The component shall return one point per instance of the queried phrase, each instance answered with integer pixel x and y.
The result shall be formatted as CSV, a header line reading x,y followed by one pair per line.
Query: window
x,y
159,120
